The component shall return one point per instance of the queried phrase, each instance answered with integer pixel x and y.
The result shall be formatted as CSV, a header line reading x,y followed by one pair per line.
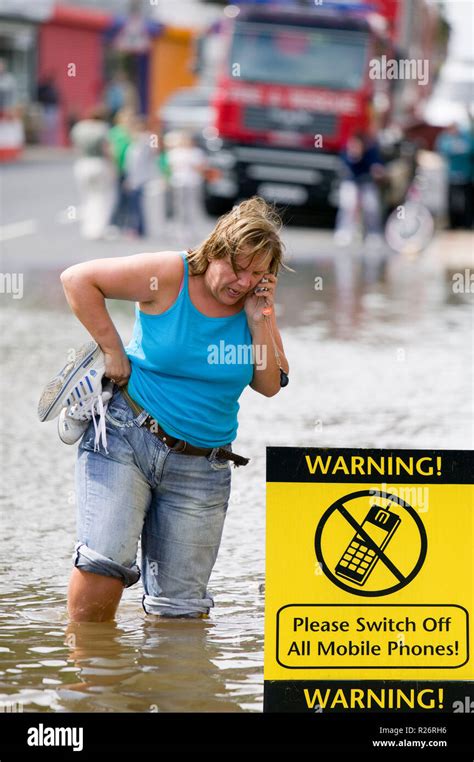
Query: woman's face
x,y
228,287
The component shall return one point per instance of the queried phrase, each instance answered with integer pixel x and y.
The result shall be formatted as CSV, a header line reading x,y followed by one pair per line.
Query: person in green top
x,y
119,139
165,172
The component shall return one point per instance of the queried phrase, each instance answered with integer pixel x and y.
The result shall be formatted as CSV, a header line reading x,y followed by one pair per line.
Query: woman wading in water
x,y
156,419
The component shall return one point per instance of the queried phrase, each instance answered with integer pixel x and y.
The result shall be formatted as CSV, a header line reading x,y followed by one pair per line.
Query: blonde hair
x,y
251,227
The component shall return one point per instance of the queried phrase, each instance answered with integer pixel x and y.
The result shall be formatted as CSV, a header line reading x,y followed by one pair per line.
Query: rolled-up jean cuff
x,y
177,606
90,561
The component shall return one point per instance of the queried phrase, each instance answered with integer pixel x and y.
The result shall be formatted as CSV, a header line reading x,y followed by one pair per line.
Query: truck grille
x,y
270,118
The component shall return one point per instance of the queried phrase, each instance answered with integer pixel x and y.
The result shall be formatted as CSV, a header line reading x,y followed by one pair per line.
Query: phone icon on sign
x,y
359,560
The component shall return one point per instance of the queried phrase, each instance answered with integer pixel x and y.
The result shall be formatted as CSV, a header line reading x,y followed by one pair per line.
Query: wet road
x,y
374,363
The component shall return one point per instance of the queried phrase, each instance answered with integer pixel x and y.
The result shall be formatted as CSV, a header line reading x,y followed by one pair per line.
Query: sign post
x,y
369,581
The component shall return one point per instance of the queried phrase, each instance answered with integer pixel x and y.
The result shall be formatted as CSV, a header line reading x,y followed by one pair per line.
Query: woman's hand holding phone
x,y
260,301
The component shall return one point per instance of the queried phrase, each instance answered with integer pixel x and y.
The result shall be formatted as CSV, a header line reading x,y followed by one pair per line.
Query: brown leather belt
x,y
179,445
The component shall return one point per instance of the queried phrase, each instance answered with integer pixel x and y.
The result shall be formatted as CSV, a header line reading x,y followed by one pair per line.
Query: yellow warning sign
x,y
368,579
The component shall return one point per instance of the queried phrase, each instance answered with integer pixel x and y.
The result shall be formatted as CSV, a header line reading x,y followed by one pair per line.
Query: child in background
x,y
139,169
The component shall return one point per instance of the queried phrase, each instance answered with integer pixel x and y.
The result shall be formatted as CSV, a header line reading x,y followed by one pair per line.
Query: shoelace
x,y
100,430
82,413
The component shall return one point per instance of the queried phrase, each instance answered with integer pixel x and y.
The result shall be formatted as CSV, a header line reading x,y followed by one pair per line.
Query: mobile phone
x,y
263,279
359,559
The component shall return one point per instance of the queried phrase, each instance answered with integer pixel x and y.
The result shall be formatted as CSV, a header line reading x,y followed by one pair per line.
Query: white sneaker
x,y
78,382
77,389
74,420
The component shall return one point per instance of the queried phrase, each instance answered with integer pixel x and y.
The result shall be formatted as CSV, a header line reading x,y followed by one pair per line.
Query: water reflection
x,y
166,666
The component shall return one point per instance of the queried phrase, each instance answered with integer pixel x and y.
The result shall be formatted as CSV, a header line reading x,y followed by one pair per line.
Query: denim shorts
x,y
141,488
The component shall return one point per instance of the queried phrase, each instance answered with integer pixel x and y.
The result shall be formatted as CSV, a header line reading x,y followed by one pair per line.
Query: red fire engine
x,y
298,78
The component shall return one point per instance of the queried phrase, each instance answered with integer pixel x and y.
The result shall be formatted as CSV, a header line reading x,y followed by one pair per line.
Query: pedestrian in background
x,y
186,164
94,172
48,97
139,169
456,146
120,137
359,193
120,93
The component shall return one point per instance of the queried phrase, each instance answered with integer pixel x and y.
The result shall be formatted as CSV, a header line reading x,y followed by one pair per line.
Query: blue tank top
x,y
189,370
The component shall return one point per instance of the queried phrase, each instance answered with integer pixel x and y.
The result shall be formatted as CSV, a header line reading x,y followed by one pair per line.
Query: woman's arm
x,y
266,377
259,307
140,278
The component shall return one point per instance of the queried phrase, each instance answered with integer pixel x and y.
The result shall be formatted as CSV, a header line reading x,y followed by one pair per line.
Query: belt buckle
x,y
179,446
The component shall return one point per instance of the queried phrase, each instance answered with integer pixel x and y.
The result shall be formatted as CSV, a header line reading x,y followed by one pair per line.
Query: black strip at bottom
x,y
67,736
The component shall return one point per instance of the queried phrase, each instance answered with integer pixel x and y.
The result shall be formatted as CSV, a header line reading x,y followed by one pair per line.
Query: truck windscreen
x,y
304,56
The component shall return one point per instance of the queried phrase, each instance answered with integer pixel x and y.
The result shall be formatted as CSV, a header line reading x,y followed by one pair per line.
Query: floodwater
x,y
382,363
